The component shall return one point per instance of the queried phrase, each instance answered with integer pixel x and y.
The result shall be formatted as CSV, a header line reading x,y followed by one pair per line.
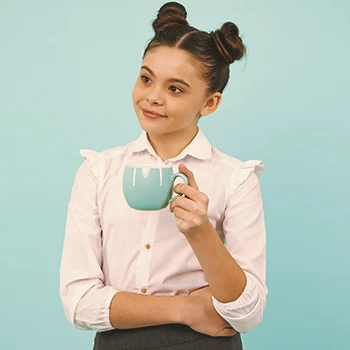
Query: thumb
x,y
191,181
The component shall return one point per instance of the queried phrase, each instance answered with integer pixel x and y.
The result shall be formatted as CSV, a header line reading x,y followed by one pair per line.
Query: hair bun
x,y
229,43
171,14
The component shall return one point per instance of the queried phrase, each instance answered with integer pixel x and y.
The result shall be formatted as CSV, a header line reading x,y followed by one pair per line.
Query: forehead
x,y
171,62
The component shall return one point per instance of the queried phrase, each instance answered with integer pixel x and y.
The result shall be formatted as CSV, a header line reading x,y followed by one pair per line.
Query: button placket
x,y
144,259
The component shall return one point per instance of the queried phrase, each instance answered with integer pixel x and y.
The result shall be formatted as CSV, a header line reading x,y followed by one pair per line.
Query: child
x,y
192,275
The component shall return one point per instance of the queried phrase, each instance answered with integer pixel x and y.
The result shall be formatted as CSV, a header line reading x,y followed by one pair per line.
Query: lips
x,y
151,114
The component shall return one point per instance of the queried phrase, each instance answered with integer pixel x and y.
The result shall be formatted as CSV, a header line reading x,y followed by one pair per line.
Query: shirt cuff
x,y
246,312
93,310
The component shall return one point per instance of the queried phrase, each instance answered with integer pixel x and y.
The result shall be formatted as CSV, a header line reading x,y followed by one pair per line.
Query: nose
x,y
155,97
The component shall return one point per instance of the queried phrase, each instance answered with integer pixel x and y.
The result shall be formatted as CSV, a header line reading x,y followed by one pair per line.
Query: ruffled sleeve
x,y
244,230
94,160
245,169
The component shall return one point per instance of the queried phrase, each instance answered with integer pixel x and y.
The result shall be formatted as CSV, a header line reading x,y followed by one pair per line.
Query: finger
x,y
191,180
190,192
181,213
184,203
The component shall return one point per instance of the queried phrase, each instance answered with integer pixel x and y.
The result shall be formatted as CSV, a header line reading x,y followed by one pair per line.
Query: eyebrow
x,y
174,80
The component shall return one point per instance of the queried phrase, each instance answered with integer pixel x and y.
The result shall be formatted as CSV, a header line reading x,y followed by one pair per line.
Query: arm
x,y
245,232
225,277
129,310
84,295
236,273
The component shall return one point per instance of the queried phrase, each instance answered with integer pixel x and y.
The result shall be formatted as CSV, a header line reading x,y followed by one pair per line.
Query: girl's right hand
x,y
202,316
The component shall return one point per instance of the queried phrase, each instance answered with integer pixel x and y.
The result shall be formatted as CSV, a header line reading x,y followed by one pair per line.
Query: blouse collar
x,y
199,147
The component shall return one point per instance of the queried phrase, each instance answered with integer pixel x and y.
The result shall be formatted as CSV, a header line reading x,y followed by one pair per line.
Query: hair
x,y
215,50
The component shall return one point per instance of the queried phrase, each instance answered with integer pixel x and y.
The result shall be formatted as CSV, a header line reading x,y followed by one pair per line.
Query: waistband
x,y
174,336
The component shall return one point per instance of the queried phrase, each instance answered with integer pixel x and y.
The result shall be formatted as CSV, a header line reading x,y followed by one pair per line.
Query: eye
x,y
175,89
145,79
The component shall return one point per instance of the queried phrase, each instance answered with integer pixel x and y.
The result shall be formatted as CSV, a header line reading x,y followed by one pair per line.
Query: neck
x,y
170,145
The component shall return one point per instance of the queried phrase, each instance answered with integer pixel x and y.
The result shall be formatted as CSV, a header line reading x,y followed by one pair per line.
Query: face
x,y
169,94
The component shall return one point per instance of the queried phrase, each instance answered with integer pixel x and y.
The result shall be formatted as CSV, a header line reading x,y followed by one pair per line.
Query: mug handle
x,y
173,177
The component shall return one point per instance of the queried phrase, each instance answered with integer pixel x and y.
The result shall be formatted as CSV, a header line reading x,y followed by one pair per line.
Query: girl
x,y
192,275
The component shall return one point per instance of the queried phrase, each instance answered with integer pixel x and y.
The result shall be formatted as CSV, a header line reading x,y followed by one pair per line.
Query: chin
x,y
152,129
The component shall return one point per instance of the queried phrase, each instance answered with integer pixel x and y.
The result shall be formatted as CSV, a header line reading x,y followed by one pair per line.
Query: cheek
x,y
184,109
136,93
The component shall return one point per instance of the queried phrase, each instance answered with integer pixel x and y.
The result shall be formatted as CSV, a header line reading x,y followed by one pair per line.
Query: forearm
x,y
130,310
225,277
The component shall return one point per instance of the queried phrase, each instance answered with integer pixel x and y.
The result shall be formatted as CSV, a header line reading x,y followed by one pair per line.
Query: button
x,y
148,246
144,290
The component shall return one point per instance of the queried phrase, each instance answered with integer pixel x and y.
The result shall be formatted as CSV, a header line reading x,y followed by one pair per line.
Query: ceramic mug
x,y
149,186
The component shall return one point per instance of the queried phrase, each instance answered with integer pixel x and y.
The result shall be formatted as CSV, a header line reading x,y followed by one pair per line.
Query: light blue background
x,y
67,69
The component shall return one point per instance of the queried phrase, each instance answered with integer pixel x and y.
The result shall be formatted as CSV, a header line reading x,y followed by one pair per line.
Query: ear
x,y
211,103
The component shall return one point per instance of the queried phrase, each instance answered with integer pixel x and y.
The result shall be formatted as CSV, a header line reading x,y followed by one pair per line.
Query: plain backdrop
x,y
67,69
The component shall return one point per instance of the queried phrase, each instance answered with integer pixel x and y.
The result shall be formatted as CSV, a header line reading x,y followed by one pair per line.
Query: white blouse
x,y
109,247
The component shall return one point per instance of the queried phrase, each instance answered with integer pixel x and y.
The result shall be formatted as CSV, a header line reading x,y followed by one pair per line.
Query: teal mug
x,y
149,186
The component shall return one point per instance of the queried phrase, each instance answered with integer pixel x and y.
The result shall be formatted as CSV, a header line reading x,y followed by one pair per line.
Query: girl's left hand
x,y
190,211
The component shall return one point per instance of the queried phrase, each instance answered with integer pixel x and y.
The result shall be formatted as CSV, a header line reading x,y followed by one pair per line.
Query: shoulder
x,y
238,169
97,159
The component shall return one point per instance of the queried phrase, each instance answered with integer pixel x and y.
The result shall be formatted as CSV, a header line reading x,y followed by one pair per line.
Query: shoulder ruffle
x,y
94,159
246,168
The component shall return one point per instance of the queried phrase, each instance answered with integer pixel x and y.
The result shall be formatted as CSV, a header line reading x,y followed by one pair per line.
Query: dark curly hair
x,y
215,50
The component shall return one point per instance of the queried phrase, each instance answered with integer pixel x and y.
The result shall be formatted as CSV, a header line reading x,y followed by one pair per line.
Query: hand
x,y
202,316
190,211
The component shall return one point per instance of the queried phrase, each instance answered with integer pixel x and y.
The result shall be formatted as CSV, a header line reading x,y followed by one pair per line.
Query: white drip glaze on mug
x,y
145,172
134,177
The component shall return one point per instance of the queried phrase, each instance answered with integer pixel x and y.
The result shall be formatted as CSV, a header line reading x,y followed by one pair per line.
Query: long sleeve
x,y
244,229
85,298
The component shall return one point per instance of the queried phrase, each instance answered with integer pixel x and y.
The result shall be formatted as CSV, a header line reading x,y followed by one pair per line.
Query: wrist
x,y
183,307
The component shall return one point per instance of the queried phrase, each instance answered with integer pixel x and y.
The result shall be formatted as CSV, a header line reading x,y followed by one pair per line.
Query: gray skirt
x,y
173,336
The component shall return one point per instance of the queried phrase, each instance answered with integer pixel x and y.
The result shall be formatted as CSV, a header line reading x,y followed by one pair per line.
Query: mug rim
x,y
147,165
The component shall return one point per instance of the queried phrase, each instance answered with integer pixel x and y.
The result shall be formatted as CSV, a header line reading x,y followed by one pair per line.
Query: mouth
x,y
151,114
